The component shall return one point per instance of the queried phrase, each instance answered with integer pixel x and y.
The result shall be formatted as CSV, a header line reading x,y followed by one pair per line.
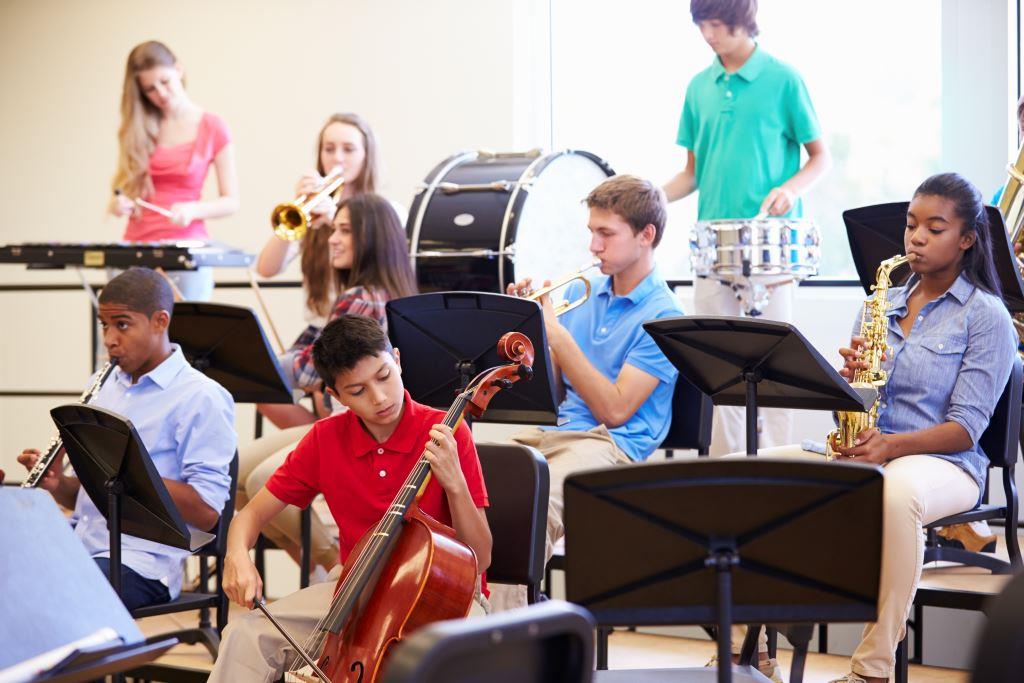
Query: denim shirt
x,y
952,367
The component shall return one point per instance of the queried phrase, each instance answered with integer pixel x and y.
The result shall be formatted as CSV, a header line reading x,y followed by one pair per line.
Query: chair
x,y
690,428
517,486
999,653
999,442
546,643
205,633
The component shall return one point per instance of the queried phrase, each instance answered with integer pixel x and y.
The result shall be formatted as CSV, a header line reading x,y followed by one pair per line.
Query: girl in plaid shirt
x,y
370,257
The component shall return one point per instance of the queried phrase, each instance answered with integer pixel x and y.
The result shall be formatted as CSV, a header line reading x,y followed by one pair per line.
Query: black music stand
x,y
876,233
54,595
640,548
745,361
228,345
446,338
117,473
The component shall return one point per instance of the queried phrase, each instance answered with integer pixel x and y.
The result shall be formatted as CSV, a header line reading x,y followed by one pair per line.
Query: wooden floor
x,y
626,651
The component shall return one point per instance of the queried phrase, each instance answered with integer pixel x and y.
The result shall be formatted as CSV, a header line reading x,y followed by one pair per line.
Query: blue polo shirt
x,y
608,329
187,423
745,130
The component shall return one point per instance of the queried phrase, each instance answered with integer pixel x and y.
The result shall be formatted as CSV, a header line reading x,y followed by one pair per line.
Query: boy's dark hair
x,y
733,13
345,341
640,202
978,266
142,290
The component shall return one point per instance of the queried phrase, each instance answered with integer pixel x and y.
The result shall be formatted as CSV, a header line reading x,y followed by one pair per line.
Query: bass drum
x,y
482,220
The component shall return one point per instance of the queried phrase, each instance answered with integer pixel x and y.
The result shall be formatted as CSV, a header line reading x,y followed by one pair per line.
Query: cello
x,y
408,570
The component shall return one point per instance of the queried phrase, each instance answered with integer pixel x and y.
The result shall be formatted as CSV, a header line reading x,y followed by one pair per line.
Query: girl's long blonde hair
x,y
140,121
316,260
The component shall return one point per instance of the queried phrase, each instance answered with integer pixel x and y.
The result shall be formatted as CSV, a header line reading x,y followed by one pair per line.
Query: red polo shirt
x,y
360,477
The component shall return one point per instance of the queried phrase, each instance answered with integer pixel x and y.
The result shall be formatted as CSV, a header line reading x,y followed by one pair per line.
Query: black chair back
x,y
548,643
517,486
692,411
1002,436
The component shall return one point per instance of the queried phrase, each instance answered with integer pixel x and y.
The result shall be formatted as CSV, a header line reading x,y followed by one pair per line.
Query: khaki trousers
x,y
566,452
918,490
252,650
256,463
729,426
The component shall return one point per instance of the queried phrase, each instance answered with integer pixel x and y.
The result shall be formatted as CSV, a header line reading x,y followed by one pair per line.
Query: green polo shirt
x,y
745,131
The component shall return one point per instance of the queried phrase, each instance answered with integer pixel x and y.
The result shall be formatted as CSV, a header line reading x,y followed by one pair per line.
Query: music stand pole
x,y
751,378
723,560
114,488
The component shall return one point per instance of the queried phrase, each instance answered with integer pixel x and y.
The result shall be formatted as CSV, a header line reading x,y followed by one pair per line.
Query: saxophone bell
x,y
874,329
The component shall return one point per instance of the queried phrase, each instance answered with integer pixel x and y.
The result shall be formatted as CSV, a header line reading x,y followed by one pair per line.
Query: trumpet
x,y
291,220
566,306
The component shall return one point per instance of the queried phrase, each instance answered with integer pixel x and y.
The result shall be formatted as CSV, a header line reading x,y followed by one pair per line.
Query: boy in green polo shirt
x,y
743,122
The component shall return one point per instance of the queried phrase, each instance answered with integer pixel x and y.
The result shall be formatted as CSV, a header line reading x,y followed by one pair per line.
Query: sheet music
x,y
30,668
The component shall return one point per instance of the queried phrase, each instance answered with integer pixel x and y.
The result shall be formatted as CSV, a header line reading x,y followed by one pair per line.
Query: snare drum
x,y
483,220
726,249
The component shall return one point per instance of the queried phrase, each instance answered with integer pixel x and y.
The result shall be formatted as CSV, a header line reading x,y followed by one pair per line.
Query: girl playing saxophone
x,y
951,342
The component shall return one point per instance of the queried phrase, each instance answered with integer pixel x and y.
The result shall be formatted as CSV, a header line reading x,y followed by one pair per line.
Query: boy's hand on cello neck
x,y
443,456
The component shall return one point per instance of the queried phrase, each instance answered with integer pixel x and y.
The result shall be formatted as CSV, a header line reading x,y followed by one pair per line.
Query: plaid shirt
x,y
353,301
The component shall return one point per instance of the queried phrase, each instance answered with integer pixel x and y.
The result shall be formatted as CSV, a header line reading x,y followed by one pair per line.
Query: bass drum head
x,y
550,235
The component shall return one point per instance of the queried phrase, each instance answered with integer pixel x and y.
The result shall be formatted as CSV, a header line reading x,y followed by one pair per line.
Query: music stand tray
x,y
876,233
641,548
54,595
447,338
117,473
228,345
745,361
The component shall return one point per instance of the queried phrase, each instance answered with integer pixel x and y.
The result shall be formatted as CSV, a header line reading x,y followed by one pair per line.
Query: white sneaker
x,y
848,678
768,667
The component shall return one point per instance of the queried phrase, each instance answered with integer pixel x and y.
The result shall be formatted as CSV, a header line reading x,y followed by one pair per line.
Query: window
x,y
874,70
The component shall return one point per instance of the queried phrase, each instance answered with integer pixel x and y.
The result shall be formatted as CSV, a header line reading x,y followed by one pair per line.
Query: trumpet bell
x,y
289,221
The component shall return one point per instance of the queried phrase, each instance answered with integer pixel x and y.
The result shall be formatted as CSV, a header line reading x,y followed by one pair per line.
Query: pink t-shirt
x,y
178,173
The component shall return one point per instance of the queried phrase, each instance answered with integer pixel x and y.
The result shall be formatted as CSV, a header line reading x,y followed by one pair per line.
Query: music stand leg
x,y
114,489
751,378
723,560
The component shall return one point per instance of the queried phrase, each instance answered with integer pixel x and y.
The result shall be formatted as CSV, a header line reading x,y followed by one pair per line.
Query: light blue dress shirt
x,y
952,367
609,330
187,423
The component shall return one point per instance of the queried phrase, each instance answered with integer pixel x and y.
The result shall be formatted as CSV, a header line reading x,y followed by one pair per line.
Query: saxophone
x,y
874,328
35,475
